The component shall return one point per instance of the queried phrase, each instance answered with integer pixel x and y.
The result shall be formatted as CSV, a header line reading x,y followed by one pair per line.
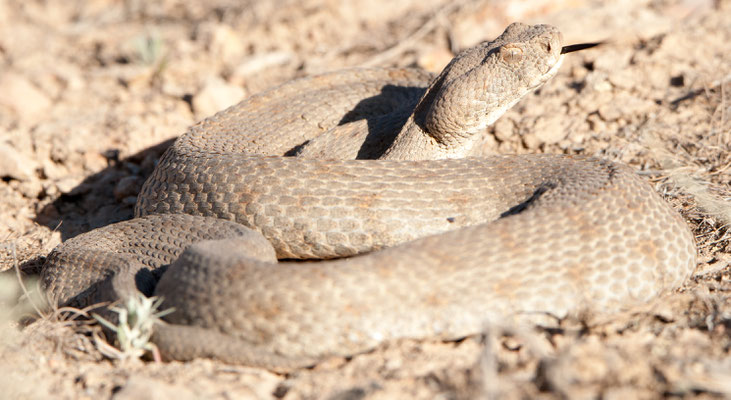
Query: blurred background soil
x,y
92,92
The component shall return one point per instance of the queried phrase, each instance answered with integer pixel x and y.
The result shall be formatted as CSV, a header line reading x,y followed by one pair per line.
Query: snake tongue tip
x,y
580,46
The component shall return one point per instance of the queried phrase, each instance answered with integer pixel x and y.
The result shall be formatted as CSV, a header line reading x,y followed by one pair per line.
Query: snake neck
x,y
445,123
475,89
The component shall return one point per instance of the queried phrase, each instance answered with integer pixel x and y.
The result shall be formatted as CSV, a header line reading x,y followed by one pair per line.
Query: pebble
x,y
226,43
551,129
596,124
142,388
15,165
67,184
612,59
53,170
435,60
623,79
31,189
4,13
128,186
531,141
21,96
624,105
602,86
215,96
504,129
257,63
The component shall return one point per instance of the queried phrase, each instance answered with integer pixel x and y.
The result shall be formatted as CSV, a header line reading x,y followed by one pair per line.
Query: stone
x,y
129,186
257,63
504,129
141,388
226,43
215,96
22,97
435,60
15,165
68,184
551,129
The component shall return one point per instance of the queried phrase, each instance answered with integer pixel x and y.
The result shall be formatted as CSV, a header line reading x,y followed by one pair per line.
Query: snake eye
x,y
511,53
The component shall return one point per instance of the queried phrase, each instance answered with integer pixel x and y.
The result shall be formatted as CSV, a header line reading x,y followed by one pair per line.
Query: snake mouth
x,y
552,70
580,46
564,50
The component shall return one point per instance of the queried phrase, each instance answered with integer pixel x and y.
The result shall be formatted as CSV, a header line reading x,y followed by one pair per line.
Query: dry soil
x,y
92,91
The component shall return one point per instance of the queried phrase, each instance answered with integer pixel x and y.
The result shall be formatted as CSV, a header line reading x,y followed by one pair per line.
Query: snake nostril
x,y
547,45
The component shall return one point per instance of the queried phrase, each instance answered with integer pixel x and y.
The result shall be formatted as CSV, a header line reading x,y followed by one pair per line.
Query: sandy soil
x,y
91,93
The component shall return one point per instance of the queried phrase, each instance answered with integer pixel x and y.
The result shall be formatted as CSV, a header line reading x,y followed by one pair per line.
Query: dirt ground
x,y
92,91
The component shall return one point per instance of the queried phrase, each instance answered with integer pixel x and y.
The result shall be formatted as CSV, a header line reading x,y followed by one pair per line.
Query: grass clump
x,y
134,329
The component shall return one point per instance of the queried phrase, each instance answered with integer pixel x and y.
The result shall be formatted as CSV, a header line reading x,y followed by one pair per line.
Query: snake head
x,y
484,81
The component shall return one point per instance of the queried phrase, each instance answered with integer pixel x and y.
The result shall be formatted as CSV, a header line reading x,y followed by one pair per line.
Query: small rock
x,y
612,59
551,129
18,94
128,186
129,201
3,12
15,165
257,63
70,76
136,77
94,161
50,190
531,141
596,124
67,184
627,392
512,344
602,86
623,79
141,388
579,72
658,78
578,136
590,100
610,112
48,214
624,105
435,60
484,145
226,43
31,189
215,96
504,129
52,170
149,162
507,148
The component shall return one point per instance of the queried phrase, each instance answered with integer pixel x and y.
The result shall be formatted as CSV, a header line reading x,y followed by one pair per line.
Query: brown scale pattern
x,y
418,244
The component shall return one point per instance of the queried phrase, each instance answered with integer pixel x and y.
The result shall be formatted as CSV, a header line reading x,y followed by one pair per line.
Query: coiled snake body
x,y
427,239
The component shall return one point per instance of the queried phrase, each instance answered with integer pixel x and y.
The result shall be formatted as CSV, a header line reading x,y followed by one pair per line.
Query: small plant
x,y
135,327
150,49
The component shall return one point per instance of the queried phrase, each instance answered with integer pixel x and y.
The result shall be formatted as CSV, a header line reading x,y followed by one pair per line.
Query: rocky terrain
x,y
92,92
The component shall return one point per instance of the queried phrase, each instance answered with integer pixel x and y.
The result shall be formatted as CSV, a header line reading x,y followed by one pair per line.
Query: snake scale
x,y
378,174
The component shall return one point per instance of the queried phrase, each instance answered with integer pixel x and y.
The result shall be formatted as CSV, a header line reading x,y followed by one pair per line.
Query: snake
x,y
338,212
